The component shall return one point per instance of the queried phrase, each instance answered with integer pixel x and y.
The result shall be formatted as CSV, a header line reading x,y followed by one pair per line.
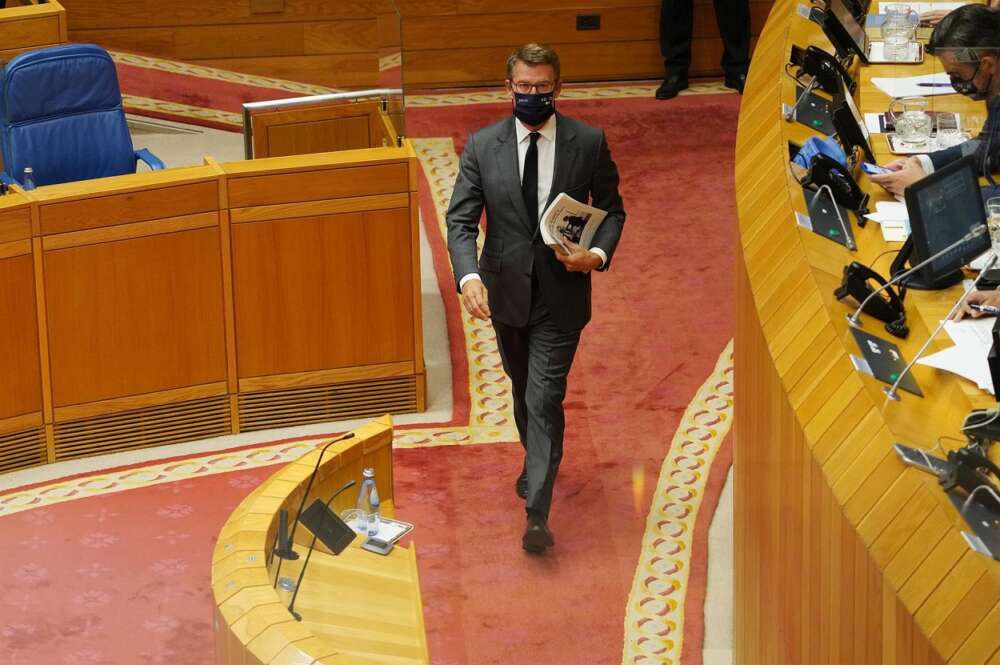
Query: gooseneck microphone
x,y
298,584
792,112
855,318
893,391
848,240
302,503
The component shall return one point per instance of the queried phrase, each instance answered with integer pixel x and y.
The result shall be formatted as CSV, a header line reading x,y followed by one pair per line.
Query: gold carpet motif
x,y
654,616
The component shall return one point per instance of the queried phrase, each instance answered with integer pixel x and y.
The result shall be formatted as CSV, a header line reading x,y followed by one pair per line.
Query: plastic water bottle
x,y
364,498
373,516
28,182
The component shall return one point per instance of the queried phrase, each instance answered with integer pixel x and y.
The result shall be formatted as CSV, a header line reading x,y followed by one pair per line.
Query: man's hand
x,y
901,176
475,300
980,298
933,18
577,259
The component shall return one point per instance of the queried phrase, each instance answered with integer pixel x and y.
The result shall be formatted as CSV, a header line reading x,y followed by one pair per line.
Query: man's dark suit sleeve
x,y
464,213
604,195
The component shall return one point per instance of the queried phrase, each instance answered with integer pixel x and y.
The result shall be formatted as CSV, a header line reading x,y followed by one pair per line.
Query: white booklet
x,y
567,218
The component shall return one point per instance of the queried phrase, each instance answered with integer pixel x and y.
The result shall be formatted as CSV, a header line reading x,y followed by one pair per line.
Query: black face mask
x,y
534,109
968,87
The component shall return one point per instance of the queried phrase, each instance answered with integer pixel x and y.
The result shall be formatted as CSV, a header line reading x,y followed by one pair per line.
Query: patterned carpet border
x,y
655,613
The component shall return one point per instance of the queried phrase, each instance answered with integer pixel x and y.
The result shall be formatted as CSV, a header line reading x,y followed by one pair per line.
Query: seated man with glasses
x,y
967,41
537,297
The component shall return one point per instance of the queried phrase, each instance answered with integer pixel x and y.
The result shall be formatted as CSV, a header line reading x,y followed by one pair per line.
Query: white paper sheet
x,y
973,339
909,86
922,7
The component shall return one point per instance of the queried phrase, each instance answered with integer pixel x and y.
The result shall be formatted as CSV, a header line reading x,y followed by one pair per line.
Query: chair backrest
x,y
61,114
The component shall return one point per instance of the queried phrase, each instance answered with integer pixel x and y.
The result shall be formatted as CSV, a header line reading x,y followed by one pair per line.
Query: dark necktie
x,y
529,182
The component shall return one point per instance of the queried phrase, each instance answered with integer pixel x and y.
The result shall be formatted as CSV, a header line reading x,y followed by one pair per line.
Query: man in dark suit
x,y
538,297
967,43
676,32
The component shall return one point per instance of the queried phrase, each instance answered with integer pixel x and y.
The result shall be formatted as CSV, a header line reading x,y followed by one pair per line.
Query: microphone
x,y
836,208
855,318
893,392
284,543
791,113
305,495
298,585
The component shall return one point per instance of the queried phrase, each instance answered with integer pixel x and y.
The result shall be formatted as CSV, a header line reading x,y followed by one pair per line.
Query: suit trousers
x,y
537,358
677,26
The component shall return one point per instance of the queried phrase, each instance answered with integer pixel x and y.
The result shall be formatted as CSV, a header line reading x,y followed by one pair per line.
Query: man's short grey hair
x,y
533,54
969,32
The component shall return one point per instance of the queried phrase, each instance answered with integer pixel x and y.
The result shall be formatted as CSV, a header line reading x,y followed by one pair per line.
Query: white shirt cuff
x,y
926,164
600,253
468,278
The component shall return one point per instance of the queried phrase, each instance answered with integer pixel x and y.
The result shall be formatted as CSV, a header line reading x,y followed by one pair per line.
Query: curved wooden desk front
x,y
194,302
842,553
357,608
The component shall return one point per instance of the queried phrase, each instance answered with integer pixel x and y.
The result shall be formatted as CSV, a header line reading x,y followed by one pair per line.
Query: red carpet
x,y
123,578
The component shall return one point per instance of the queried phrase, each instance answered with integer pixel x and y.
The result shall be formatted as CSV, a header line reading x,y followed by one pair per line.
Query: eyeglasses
x,y
543,88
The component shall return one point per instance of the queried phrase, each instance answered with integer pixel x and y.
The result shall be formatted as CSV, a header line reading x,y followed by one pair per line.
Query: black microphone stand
x,y
312,546
305,495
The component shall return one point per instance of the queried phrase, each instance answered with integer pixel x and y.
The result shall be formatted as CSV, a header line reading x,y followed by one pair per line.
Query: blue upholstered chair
x,y
61,114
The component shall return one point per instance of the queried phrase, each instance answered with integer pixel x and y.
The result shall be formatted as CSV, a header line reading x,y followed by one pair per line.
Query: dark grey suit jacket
x,y
513,249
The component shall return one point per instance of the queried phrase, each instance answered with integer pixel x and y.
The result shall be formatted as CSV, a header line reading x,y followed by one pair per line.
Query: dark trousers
x,y
537,359
677,26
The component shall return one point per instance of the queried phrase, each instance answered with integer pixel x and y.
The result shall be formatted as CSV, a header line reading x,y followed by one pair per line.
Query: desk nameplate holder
x,y
883,361
984,522
813,111
824,221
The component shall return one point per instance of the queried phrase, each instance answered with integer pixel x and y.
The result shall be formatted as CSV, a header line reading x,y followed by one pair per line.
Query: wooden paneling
x,y
30,26
106,337
316,185
337,44
20,385
299,309
135,206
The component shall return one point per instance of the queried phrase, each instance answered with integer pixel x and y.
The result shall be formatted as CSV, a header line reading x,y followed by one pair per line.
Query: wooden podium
x,y
357,608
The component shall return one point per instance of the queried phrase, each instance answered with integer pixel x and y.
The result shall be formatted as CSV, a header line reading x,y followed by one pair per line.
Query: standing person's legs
x,y
676,27
733,18
550,356
512,343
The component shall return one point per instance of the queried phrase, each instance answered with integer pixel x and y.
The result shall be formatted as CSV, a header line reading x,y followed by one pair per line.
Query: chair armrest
x,y
152,160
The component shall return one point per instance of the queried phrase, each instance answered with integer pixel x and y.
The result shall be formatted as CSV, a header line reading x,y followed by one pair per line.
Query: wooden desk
x,y
842,553
357,608
187,303
26,26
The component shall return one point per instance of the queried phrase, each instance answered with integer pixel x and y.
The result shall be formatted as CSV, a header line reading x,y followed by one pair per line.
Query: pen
x,y
934,85
985,309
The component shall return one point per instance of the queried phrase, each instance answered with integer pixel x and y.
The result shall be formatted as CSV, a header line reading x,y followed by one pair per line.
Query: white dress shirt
x,y
546,146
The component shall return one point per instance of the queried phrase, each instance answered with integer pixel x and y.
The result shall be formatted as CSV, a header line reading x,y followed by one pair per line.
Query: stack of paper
x,y
915,86
893,218
973,339
981,261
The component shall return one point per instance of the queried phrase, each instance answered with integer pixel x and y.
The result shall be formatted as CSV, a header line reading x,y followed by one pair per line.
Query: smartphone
x,y
872,169
920,459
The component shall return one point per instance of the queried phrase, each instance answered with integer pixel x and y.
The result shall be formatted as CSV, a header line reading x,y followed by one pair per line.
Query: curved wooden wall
x,y
842,553
187,303
357,608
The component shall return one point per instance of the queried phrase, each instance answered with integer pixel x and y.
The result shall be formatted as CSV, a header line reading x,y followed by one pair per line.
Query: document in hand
x,y
567,218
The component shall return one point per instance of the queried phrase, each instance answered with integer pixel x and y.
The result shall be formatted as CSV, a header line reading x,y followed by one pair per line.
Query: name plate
x,y
884,361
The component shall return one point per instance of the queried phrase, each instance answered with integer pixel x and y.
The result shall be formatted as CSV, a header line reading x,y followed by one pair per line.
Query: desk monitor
x,y
844,32
993,359
850,126
943,207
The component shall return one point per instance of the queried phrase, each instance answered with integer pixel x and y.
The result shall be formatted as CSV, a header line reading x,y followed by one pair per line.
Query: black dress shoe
x,y
672,84
736,81
521,486
537,536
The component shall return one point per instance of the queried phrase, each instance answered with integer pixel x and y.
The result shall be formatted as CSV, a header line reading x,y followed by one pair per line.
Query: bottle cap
x,y
368,473
28,169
